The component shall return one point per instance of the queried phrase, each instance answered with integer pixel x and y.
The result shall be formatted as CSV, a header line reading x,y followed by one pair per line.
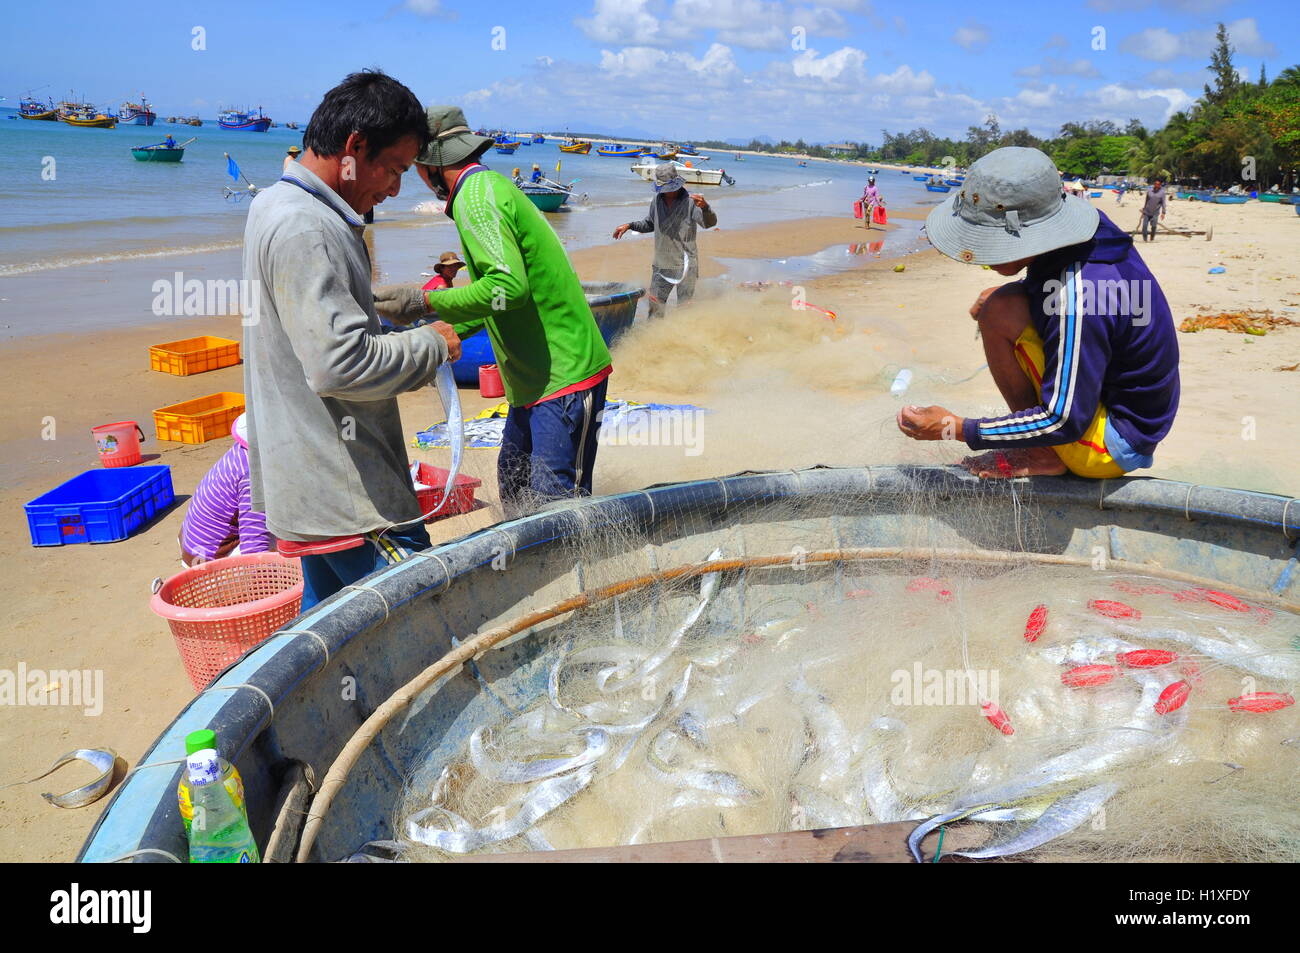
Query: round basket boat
x,y
278,710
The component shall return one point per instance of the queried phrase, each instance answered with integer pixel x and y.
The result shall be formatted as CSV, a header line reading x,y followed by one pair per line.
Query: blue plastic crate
x,y
100,506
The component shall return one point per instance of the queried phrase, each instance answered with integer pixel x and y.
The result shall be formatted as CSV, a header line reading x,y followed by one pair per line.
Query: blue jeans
x,y
324,575
549,451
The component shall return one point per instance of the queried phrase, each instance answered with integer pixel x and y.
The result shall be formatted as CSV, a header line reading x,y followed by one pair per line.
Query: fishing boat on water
x,y
619,150
688,150
934,185
136,114
35,109
539,139
506,146
84,114
578,146
920,178
291,125
243,120
669,152
545,197
161,151
953,181
690,175
193,121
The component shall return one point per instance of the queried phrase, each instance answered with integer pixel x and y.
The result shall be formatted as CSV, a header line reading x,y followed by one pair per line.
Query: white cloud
x,y
1056,41
545,61
972,36
1159,45
627,22
903,81
640,61
748,24
831,66
1114,95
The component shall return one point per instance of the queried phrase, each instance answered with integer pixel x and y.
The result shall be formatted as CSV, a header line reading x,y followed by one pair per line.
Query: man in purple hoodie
x,y
1083,348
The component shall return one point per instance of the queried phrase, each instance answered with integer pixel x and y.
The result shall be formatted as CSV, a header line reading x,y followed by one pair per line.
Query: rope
x,y
1187,502
376,592
269,704
1285,508
321,642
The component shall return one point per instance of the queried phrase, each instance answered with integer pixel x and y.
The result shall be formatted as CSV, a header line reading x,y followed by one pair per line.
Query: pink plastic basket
x,y
219,610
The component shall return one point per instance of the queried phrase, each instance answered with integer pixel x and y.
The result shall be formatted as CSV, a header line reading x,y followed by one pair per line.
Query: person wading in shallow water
x,y
674,217
1083,348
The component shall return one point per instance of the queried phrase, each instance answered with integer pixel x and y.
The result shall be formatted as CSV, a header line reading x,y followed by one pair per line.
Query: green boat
x,y
546,200
161,152
1272,197
155,154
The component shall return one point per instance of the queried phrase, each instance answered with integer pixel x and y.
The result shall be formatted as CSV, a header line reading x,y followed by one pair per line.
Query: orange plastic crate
x,y
193,355
199,420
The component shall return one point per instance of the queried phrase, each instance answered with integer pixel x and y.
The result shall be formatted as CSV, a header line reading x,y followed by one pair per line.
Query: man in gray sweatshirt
x,y
1155,203
327,457
674,216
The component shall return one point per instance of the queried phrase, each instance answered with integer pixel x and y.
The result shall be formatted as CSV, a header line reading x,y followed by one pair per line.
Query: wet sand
x,y
785,388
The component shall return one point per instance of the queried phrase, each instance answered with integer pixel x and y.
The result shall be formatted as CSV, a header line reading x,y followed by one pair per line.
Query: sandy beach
x,y
785,388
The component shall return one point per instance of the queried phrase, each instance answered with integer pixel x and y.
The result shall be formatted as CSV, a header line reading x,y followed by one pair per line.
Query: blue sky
x,y
824,70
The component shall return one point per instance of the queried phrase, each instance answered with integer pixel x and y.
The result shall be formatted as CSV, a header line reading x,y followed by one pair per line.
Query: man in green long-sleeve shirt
x,y
524,291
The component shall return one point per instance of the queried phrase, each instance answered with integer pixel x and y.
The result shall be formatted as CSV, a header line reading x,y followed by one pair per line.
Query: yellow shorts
x,y
1087,456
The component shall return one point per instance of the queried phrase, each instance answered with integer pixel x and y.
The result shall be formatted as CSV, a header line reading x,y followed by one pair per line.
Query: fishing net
x,y
892,668
856,658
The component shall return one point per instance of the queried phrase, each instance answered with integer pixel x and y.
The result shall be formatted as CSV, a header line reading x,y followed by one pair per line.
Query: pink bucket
x,y
119,443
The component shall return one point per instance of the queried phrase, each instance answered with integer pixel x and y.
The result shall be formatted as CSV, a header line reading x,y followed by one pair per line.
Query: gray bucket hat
x,y
451,142
666,178
1011,206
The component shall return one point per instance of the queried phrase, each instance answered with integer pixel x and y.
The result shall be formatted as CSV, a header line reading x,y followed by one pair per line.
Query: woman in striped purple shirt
x,y
221,520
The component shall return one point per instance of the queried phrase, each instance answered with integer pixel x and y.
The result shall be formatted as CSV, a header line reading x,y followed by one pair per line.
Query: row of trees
x,y
1237,131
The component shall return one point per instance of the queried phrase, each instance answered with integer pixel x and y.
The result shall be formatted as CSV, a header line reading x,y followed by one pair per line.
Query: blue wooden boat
x,y
539,139
279,707
618,150
920,178
1230,199
937,188
953,181
244,120
1296,206
30,108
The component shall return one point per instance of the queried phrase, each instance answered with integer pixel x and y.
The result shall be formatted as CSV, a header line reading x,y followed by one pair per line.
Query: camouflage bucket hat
x,y
450,140
1011,206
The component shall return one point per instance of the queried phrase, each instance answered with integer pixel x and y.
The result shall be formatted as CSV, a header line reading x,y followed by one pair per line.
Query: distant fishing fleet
x,y
78,112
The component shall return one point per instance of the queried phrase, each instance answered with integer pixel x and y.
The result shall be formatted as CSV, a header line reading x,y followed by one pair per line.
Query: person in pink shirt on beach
x,y
445,271
221,520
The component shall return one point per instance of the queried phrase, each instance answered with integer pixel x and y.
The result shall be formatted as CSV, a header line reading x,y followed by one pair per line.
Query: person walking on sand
x,y
871,200
674,217
1083,348
1156,200
1119,193
523,290
327,453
